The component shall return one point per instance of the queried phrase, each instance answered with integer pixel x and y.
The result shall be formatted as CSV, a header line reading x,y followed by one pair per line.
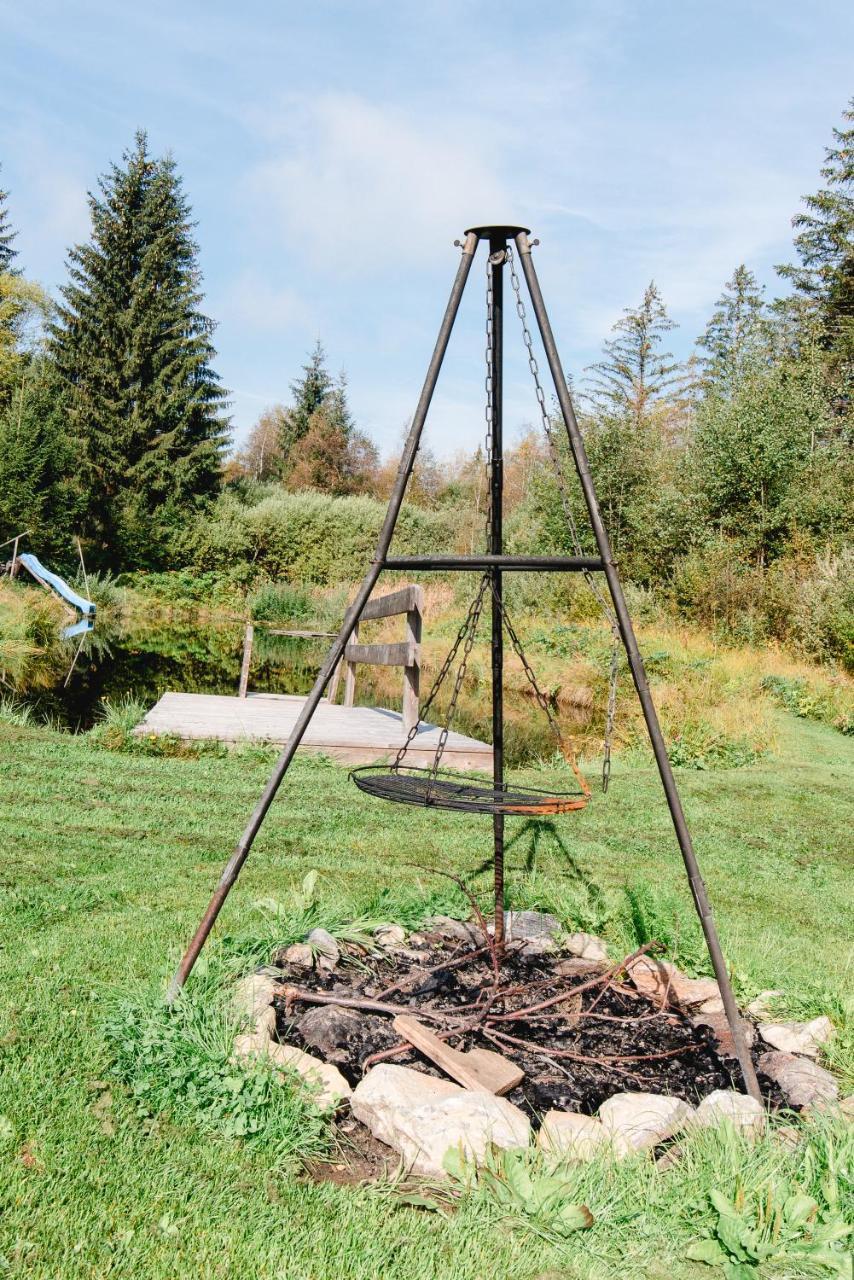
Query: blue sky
x,y
332,151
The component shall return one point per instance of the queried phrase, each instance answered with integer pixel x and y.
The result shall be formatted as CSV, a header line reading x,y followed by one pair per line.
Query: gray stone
x,y
586,946
742,1111
637,1121
298,956
760,1007
801,1081
390,936
328,1028
422,1118
328,1086
456,931
572,1137
325,948
798,1037
536,929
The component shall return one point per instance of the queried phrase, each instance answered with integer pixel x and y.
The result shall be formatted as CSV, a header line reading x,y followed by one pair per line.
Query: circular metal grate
x,y
459,792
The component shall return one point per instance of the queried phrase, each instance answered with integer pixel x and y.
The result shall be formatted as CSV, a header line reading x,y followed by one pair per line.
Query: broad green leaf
x,y
574,1217
798,1209
708,1251
724,1207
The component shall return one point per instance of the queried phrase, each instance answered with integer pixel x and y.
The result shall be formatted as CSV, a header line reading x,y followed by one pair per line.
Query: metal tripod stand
x,y
496,563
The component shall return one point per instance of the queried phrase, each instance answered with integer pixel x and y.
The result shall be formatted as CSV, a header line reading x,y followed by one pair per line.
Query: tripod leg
x,y
698,889
235,863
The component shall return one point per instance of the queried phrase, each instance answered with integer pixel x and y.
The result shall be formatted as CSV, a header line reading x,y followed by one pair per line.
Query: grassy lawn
x,y
109,859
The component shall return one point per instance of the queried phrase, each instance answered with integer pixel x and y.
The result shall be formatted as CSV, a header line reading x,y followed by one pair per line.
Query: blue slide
x,y
57,584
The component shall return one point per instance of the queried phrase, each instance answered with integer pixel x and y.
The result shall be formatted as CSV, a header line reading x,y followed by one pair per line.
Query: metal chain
x,y
473,620
599,595
468,627
543,702
488,408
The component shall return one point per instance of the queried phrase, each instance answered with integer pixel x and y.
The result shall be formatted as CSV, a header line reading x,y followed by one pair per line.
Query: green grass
x,y
109,859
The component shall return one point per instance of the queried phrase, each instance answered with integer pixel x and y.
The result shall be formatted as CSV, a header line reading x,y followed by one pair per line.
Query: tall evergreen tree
x,y
310,393
635,372
825,242
134,351
8,253
736,334
39,486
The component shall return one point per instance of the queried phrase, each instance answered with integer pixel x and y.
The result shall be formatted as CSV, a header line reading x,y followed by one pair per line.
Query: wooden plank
x,y
387,606
246,661
412,673
382,655
480,1069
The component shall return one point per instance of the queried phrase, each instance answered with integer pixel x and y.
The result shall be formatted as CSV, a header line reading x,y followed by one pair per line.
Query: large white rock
x,y
571,1136
299,956
637,1121
802,1081
586,946
760,1006
329,1088
252,997
422,1118
798,1037
740,1109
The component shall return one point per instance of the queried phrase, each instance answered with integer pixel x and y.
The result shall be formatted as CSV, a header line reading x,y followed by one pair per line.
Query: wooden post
x,y
248,636
332,687
350,672
412,674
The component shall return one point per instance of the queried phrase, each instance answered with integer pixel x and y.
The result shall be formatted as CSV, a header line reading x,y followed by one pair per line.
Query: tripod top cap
x,y
485,232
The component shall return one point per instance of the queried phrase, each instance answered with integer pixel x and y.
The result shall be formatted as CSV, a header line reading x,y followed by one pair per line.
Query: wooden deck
x,y
354,735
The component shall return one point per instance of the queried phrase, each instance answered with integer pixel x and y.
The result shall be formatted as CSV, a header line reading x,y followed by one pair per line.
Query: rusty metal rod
x,y
683,836
495,426
235,863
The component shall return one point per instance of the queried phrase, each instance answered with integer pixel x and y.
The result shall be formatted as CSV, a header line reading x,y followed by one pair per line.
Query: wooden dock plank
x,y
354,735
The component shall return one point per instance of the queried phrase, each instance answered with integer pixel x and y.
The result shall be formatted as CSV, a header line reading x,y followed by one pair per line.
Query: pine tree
x,y
8,253
39,484
737,333
825,242
310,393
635,372
134,352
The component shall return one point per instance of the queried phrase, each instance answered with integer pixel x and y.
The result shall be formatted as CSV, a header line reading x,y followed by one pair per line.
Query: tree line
x,y
721,476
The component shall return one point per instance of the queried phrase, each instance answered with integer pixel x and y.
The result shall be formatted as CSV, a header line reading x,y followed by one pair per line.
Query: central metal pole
x,y
497,258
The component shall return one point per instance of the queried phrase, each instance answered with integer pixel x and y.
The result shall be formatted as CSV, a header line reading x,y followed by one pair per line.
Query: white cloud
x,y
255,303
354,181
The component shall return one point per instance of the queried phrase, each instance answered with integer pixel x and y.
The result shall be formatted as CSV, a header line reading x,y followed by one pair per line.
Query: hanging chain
x,y
543,702
466,632
489,407
472,621
604,603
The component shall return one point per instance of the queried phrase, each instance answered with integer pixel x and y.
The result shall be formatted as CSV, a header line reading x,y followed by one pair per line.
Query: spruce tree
x,y
40,488
635,372
8,253
134,352
825,243
736,334
310,393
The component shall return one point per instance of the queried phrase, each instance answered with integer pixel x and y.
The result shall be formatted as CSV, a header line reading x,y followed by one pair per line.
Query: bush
x,y
280,602
308,537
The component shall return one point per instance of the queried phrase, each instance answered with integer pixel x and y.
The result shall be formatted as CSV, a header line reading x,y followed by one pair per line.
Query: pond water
x,y
143,660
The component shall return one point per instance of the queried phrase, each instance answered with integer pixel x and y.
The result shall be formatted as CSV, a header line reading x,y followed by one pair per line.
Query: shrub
x,y
281,602
309,537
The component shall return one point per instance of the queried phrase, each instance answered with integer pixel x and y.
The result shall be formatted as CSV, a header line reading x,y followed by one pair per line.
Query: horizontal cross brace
x,y
382,655
403,601
557,564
